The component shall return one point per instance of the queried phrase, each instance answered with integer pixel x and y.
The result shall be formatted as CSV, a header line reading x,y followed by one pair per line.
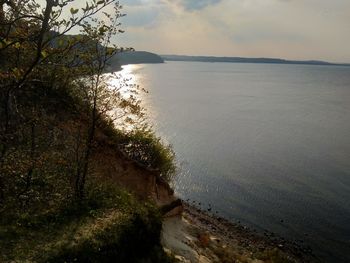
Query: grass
x,y
109,226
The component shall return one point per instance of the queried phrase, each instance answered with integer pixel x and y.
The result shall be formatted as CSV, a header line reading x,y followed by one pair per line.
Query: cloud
x,y
198,4
140,15
133,2
313,29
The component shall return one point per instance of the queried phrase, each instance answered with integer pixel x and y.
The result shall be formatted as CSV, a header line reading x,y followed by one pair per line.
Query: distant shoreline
x,y
212,59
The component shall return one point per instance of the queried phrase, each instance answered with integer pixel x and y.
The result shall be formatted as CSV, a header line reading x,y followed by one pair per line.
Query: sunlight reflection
x,y
125,78
126,81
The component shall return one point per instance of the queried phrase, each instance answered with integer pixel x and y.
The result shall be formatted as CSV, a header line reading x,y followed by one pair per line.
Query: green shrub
x,y
135,237
109,225
145,147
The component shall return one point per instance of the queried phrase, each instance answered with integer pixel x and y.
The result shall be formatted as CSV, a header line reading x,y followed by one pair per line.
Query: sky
x,y
290,29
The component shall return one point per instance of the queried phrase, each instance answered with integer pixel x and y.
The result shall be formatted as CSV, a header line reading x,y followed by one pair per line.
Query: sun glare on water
x,y
126,83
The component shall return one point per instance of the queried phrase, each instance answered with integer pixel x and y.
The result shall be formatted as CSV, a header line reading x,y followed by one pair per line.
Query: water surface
x,y
264,144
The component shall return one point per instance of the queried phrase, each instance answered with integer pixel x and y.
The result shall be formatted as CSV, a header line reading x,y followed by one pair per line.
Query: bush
x,y
109,225
146,148
132,236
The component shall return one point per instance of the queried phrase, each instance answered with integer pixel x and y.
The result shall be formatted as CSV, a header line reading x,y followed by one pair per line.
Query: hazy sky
x,y
292,29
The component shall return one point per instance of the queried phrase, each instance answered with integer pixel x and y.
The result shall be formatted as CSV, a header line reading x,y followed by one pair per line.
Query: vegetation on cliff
x,y
136,57
58,109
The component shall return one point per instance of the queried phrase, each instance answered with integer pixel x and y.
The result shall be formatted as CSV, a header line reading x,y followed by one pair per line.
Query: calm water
x,y
268,145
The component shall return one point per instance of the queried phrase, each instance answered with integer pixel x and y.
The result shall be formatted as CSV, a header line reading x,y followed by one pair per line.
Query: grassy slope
x,y
109,226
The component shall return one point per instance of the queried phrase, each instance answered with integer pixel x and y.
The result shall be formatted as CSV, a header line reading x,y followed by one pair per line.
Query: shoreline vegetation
x,y
136,57
249,60
73,187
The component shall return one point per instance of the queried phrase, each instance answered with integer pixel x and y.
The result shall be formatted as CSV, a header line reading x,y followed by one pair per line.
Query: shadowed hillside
x,y
134,57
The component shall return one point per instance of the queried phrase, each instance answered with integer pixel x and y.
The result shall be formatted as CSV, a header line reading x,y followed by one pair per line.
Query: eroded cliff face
x,y
110,162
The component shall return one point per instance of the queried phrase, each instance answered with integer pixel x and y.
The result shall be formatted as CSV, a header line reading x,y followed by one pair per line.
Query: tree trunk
x,y
89,145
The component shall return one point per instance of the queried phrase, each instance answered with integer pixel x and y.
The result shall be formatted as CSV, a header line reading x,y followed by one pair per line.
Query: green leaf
x,y
100,2
60,42
74,11
44,54
16,72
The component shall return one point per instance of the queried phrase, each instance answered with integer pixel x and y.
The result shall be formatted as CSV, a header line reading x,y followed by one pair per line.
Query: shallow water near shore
x,y
264,144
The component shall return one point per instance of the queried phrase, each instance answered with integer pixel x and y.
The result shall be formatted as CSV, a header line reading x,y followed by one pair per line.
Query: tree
x,y
37,54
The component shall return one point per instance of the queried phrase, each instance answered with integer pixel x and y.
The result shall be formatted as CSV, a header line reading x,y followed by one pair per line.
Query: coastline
x,y
197,236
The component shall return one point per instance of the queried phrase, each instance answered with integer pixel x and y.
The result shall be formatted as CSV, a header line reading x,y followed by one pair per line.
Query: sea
x,y
266,145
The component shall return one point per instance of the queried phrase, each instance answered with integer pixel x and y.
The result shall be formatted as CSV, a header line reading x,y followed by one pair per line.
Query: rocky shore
x,y
197,236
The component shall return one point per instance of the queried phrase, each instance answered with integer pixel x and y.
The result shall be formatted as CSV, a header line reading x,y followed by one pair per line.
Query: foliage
x,y
55,102
149,150
43,62
109,226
